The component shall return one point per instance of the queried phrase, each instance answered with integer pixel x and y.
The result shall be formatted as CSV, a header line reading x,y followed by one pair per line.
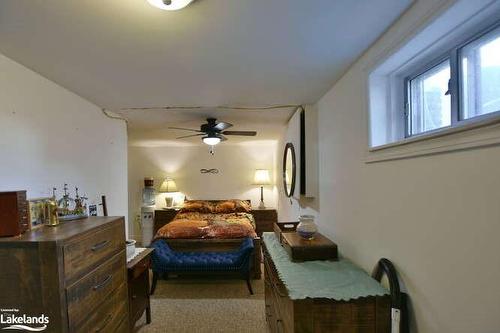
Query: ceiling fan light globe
x,y
169,4
210,140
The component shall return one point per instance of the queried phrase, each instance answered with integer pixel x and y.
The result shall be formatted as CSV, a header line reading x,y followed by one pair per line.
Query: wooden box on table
x,y
299,249
13,213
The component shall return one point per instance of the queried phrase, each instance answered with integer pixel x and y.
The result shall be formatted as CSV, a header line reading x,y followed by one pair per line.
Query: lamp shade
x,y
262,177
168,186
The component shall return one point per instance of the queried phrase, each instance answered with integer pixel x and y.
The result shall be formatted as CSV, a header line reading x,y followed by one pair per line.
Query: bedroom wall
x,y
289,209
436,217
49,136
236,164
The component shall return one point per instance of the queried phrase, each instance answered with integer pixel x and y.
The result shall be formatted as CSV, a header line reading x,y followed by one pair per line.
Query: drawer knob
x,y
103,283
100,245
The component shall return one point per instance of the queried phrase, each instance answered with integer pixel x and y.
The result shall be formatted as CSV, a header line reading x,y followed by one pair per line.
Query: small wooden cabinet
x,y
265,220
73,273
163,216
138,287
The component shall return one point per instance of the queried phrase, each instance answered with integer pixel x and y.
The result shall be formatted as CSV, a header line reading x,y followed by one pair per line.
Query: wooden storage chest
x,y
363,315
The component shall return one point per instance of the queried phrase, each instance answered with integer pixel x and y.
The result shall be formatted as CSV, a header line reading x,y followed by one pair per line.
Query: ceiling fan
x,y
214,132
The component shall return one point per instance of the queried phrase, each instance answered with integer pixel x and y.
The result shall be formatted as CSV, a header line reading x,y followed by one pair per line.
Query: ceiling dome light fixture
x,y
211,139
170,4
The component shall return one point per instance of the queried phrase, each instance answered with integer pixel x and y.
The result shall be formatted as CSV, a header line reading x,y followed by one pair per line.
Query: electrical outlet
x,y
147,217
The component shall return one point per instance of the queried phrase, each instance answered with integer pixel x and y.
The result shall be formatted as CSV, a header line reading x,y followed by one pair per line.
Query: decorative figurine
x,y
71,208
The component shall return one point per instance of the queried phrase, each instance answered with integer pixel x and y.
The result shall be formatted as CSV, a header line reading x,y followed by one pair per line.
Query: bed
x,y
212,225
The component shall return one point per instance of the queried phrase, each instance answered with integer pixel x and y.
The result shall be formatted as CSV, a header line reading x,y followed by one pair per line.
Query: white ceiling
x,y
126,53
149,128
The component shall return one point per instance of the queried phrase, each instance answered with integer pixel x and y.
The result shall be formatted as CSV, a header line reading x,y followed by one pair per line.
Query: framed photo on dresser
x,y
37,212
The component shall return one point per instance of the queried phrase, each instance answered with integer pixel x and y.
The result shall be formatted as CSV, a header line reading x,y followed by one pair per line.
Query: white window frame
x,y
455,86
407,103
425,46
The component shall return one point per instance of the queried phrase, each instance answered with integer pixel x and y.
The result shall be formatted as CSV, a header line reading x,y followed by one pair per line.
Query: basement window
x,y
480,76
429,93
428,106
442,83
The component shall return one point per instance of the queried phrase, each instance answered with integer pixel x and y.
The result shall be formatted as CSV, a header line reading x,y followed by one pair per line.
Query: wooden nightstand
x,y
138,287
164,216
264,219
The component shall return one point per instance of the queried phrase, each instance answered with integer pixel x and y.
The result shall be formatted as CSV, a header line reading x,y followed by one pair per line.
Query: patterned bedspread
x,y
209,225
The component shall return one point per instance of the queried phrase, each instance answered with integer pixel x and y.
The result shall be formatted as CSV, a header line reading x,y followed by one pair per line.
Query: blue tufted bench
x,y
165,261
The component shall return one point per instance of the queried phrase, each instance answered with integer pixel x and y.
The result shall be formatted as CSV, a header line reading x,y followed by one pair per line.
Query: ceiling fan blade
x,y
243,133
185,129
222,126
222,138
189,136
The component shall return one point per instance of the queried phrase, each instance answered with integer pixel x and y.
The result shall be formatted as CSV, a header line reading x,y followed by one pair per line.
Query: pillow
x,y
232,206
226,206
183,229
201,206
243,206
224,230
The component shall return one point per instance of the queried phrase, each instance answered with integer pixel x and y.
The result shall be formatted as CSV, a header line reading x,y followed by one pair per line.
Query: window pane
x,y
481,76
430,105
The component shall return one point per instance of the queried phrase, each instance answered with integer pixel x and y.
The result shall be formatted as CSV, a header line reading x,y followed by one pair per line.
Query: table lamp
x,y
262,178
168,186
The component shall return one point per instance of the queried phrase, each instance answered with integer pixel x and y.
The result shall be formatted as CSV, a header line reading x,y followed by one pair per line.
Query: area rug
x,y
200,306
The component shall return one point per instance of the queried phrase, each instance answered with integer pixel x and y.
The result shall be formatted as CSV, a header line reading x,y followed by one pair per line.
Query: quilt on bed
x,y
216,220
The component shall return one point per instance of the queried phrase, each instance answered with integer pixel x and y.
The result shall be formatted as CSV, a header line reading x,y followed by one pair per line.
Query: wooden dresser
x,y
319,314
74,273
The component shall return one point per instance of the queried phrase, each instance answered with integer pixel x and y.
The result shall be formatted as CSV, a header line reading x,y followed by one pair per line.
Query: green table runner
x,y
338,280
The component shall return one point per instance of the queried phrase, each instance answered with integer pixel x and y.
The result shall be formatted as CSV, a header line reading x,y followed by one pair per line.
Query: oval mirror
x,y
289,169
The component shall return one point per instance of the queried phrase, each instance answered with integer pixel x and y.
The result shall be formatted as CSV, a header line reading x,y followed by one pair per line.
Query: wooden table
x,y
138,287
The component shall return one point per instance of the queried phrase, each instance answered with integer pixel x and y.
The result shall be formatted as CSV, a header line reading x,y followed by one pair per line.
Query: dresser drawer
x,y
108,316
83,253
94,288
139,268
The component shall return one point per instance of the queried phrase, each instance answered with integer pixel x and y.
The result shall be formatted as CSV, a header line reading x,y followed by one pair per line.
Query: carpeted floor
x,y
203,306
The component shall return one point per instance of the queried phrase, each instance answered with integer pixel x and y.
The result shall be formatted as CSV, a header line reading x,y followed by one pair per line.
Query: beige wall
x,y
49,136
236,164
436,217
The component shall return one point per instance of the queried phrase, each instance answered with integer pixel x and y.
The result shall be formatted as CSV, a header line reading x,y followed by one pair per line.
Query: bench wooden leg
x,y
148,314
249,285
